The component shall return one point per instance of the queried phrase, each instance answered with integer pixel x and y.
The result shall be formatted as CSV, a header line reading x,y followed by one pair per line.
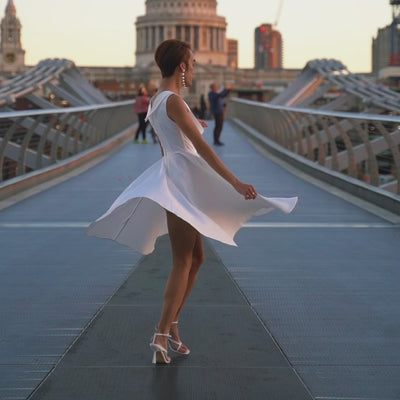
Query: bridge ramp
x,y
305,307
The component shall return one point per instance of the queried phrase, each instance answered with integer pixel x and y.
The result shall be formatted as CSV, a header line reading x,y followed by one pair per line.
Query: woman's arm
x,y
179,113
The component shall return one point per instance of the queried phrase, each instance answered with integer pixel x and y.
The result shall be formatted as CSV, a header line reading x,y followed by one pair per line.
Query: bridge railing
x,y
32,140
362,146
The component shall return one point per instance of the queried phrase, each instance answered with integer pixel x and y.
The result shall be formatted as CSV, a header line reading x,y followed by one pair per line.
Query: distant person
x,y
217,106
140,107
203,107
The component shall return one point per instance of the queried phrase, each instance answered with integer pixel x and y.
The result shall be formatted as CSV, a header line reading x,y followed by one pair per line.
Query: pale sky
x,y
102,32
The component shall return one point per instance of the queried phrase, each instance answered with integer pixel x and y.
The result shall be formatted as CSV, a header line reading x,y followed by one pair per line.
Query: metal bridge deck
x,y
306,307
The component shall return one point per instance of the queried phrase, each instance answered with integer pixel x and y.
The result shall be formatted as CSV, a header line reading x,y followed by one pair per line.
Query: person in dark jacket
x,y
217,101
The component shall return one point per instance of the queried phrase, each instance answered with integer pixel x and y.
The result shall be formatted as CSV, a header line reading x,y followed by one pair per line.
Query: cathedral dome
x,y
194,21
182,6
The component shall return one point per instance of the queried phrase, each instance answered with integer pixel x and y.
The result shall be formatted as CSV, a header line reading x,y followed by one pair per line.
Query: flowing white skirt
x,y
184,184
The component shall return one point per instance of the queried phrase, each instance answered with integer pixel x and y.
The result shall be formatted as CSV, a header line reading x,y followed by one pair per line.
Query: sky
x,y
102,32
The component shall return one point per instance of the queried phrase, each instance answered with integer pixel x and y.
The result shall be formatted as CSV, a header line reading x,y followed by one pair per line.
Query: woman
x,y
140,107
188,193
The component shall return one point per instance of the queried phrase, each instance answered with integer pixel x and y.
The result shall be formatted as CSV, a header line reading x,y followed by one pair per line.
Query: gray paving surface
x,y
320,306
112,358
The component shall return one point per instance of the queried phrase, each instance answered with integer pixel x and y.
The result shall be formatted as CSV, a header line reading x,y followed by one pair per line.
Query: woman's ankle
x,y
162,340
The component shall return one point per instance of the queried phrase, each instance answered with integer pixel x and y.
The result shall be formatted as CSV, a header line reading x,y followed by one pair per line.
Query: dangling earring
x,y
183,79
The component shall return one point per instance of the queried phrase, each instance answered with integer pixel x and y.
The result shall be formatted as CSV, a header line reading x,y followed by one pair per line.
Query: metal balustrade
x,y
31,140
362,146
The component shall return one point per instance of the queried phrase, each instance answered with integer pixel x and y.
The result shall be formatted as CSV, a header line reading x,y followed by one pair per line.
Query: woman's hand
x,y
203,123
248,191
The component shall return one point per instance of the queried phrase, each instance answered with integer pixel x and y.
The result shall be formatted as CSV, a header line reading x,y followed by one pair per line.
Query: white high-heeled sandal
x,y
178,344
160,354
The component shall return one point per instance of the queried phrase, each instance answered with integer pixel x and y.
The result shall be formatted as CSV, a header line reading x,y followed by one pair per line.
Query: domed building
x,y
196,22
193,21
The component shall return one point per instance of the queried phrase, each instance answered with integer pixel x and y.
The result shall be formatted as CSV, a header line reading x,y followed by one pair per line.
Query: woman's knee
x,y
198,260
182,262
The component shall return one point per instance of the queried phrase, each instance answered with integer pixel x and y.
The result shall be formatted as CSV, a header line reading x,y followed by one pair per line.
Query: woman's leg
x,y
183,240
138,128
219,119
144,130
142,125
197,261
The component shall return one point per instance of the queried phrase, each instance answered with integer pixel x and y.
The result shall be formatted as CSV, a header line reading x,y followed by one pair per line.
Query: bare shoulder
x,y
175,100
176,106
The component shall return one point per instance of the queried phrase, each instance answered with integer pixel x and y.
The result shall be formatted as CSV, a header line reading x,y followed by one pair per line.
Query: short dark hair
x,y
169,54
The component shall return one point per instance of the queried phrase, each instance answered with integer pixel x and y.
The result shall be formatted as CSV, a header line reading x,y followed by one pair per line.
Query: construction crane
x,y
278,14
394,36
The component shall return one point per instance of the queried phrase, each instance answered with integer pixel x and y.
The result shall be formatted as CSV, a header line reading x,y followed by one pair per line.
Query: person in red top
x,y
140,107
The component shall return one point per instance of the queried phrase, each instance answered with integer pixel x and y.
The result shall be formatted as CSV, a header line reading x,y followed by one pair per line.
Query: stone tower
x,y
12,56
193,21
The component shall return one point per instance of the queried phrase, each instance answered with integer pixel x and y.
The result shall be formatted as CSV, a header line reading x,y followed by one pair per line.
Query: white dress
x,y
181,182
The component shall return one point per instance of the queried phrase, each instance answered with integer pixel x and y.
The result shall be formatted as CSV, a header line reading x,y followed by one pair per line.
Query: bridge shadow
x,y
305,307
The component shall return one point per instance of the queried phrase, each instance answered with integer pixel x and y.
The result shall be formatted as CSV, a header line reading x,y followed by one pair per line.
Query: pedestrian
x,y
217,100
174,196
140,107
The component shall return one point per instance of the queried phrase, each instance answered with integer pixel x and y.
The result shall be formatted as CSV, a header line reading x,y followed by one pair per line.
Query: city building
x,y
12,56
268,51
233,53
117,83
381,49
386,51
194,21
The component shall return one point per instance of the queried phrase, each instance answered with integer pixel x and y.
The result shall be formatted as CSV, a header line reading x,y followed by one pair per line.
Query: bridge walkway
x,y
306,307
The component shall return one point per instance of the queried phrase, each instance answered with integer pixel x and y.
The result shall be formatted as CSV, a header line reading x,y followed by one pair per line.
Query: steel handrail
x,y
362,146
